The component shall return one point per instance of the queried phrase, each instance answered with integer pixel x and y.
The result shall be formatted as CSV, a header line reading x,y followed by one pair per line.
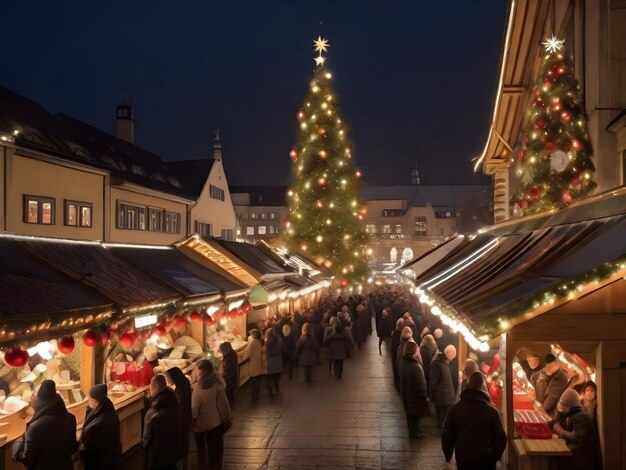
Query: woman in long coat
x,y
273,357
339,346
413,389
177,380
307,352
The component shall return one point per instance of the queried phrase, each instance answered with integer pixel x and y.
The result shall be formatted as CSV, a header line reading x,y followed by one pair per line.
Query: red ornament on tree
x,y
344,282
566,197
540,123
575,181
16,357
293,154
576,145
300,115
195,317
522,203
322,132
550,146
534,193
66,345
91,338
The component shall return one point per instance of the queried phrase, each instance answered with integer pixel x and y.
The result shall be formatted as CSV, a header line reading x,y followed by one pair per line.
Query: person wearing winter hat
x,y
99,445
576,428
413,389
50,437
473,429
428,350
405,336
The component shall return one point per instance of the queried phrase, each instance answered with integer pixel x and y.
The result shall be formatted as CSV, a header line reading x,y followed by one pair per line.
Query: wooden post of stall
x,y
87,367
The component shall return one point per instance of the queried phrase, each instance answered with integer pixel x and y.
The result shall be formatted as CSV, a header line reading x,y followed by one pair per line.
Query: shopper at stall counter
x,y
555,385
50,437
179,383
576,428
230,370
253,353
99,445
161,433
473,429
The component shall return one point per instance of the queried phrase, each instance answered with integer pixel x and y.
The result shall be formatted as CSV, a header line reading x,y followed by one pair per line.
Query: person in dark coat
x,y
556,384
100,446
405,337
161,429
576,427
428,350
273,358
440,386
177,381
307,351
395,344
473,429
413,390
384,329
340,344
285,329
230,371
50,438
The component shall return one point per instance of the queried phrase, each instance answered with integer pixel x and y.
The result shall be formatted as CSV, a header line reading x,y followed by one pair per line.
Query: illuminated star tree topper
x,y
320,45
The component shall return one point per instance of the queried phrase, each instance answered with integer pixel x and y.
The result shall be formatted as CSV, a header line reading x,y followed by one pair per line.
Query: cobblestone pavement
x,y
354,423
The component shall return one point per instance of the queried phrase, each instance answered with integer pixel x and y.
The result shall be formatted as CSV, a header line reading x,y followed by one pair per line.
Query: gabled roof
x,y
263,195
125,160
252,256
39,130
192,174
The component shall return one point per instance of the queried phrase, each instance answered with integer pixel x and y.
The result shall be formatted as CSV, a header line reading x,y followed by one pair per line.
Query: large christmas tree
x,y
554,164
324,209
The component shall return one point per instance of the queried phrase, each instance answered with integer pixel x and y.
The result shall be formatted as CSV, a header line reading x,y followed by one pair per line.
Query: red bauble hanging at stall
x,y
66,345
126,340
160,330
208,321
91,338
195,317
16,357
105,336
180,322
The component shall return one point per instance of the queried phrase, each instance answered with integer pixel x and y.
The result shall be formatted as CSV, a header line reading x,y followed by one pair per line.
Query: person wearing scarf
x,y
210,411
50,438
473,429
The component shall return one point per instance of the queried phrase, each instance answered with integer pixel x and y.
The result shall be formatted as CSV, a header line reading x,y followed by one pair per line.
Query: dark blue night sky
x,y
416,79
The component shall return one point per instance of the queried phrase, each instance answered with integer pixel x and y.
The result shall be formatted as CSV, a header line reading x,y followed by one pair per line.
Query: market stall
x,y
548,294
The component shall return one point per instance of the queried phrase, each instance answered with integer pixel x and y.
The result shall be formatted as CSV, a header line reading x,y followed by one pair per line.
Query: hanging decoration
x,y
66,345
91,338
16,357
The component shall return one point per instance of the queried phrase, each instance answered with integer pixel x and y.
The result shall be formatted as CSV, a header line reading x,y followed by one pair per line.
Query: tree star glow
x,y
553,44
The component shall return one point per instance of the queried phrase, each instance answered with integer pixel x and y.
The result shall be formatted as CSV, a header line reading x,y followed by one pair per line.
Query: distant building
x,y
66,179
406,220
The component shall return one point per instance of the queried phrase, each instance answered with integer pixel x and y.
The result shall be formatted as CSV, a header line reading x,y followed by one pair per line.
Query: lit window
x,y
216,193
130,216
420,226
38,210
155,216
250,230
386,228
203,229
172,222
227,234
262,230
78,214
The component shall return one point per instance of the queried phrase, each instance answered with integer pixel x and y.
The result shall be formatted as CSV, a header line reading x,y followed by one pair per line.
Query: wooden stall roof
x,y
175,269
514,271
296,262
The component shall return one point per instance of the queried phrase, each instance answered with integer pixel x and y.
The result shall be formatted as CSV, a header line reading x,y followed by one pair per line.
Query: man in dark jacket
x,y
555,385
473,429
230,371
413,390
285,328
99,444
50,438
161,432
441,387
576,427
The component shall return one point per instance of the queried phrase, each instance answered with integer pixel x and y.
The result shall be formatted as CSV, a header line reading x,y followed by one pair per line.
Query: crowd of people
x,y
422,356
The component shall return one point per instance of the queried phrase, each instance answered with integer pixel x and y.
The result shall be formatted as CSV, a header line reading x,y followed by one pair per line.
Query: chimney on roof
x,y
125,123
217,146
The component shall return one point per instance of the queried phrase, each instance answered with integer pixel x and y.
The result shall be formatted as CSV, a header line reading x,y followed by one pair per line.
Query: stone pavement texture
x,y
354,423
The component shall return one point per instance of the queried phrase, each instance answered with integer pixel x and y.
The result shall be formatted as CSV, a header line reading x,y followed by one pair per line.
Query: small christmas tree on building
x,y
325,213
554,164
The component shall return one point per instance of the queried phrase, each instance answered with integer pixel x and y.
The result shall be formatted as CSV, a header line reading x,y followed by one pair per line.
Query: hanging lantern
x,y
91,338
195,317
66,345
16,357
